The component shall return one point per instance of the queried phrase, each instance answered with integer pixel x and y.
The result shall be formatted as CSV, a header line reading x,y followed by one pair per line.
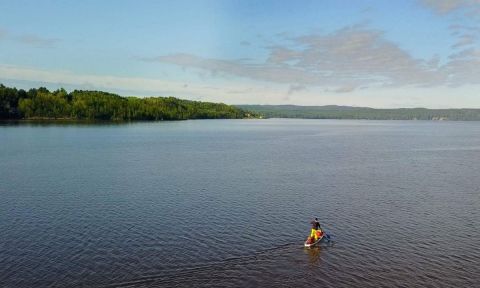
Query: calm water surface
x,y
226,203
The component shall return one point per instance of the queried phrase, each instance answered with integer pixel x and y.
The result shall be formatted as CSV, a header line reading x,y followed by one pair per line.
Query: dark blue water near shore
x,y
221,203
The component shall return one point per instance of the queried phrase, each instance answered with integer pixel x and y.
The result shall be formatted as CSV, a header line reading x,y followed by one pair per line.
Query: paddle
x,y
325,234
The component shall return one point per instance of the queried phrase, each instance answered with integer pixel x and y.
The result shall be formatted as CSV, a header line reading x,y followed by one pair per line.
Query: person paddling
x,y
316,224
315,227
316,234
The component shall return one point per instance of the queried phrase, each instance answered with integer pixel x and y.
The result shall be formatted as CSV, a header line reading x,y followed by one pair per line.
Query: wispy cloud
x,y
3,33
345,60
295,88
142,86
86,80
345,89
463,68
468,7
255,93
37,41
444,6
465,40
29,39
467,36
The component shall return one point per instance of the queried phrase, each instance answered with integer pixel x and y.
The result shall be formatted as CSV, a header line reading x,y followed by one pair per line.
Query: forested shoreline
x,y
348,112
42,104
16,104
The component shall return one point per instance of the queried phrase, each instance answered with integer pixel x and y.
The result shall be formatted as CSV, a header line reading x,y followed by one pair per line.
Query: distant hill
x,y
348,112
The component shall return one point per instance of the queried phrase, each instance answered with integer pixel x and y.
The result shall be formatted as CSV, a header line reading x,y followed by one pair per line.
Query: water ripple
x,y
228,204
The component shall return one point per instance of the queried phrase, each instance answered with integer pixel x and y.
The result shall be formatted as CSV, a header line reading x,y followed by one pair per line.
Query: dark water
x,y
227,203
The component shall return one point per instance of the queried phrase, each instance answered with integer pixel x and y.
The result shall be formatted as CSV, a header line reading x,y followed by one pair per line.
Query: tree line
x,y
347,112
97,105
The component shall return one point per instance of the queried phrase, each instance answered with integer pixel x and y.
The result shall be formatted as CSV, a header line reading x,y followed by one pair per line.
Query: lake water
x,y
227,203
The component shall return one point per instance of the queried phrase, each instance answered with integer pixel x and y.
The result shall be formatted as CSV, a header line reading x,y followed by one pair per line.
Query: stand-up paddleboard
x,y
316,242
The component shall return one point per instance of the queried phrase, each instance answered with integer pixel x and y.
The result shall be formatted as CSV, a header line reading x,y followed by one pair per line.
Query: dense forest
x,y
347,112
96,105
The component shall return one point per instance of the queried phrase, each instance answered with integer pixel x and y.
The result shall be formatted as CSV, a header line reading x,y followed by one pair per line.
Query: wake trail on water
x,y
171,276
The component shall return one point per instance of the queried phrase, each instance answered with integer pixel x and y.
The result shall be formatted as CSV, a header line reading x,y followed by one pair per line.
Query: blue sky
x,y
408,53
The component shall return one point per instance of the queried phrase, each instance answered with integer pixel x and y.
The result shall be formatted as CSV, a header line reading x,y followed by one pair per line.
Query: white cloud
x,y
315,69
350,58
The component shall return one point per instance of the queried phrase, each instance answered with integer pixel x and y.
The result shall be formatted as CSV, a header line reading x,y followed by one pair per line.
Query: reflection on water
x,y
314,255
228,203
314,252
